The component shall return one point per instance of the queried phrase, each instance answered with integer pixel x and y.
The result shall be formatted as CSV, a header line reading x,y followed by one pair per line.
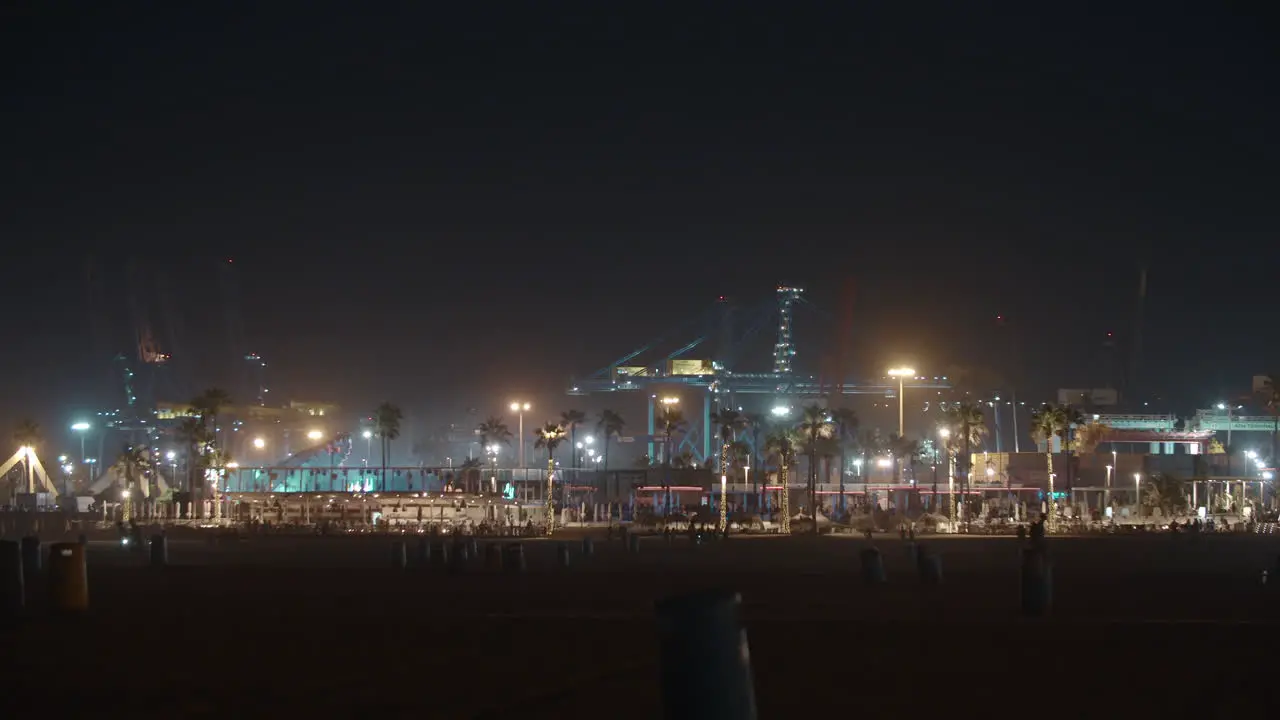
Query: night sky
x,y
451,204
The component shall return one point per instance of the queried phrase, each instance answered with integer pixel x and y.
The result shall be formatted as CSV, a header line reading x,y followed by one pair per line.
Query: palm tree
x,y
904,451
493,432
133,462
1074,419
968,427
469,469
208,405
672,422
781,444
815,425
1270,393
570,420
1047,423
386,422
845,421
729,421
549,437
756,423
610,426
27,433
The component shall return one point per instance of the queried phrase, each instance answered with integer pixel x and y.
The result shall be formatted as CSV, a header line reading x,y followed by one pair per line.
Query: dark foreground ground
x,y
324,627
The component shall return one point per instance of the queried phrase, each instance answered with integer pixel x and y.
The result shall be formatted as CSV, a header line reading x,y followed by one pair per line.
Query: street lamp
x,y
315,435
1137,490
521,408
259,443
1106,495
368,445
902,373
82,428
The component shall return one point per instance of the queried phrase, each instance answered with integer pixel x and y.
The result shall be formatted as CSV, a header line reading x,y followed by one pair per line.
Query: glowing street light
x,y
368,445
902,373
884,462
521,408
259,443
1137,489
780,411
315,435
670,400
82,428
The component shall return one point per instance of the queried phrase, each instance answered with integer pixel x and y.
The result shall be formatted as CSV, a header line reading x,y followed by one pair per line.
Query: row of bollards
x,y
497,556
1035,574
928,565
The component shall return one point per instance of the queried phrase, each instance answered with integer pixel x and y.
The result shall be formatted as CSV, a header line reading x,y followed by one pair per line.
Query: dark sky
x,y
447,204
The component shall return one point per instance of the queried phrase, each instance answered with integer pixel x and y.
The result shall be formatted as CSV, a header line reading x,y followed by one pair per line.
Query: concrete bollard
x,y
705,666
872,566
69,577
159,550
399,555
588,547
633,543
1037,583
929,566
562,555
493,557
423,555
31,564
12,583
513,559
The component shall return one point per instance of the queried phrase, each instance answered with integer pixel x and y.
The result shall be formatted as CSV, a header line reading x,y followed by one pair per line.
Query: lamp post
x,y
368,445
521,408
902,373
945,433
82,428
1106,493
1137,491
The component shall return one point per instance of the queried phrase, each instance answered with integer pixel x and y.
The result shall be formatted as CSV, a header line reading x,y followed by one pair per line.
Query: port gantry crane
x,y
715,379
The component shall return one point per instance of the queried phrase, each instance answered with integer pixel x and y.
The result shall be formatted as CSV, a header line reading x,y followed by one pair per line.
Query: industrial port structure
x,y
714,375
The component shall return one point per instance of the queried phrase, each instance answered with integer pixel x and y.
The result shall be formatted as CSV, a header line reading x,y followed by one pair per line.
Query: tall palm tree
x,y
1074,419
193,435
729,421
1270,393
493,431
133,464
570,420
549,438
610,425
781,444
815,425
671,421
386,422
968,427
903,449
845,421
208,405
756,423
27,433
1047,423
